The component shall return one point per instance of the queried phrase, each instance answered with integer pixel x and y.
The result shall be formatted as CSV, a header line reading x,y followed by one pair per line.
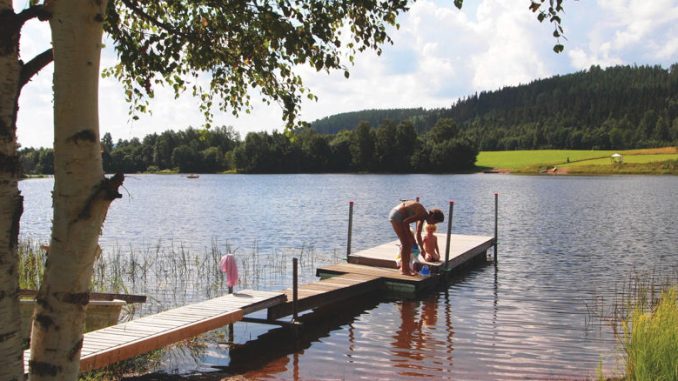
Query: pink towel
x,y
228,266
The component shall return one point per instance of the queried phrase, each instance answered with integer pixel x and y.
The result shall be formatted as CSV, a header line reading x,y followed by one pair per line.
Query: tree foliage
x,y
220,51
389,148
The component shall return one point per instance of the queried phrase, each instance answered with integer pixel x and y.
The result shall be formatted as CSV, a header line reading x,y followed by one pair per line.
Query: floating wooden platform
x,y
462,249
119,342
380,262
326,292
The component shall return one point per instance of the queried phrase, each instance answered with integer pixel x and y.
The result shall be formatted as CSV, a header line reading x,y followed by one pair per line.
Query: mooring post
x,y
295,287
496,224
350,229
449,233
417,198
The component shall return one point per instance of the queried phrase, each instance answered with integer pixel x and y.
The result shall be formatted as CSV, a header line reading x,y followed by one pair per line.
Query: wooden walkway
x,y
119,342
326,292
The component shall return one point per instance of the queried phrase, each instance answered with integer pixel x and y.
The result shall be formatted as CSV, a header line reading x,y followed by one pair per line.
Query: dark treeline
x,y
388,148
616,108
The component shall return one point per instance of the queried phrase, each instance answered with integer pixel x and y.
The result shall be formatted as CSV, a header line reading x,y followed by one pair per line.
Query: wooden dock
x,y
123,341
366,271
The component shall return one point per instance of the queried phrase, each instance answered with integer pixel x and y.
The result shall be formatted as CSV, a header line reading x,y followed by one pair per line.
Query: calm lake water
x,y
567,245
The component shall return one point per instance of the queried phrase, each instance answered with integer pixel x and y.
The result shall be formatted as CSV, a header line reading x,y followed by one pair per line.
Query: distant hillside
x,y
618,107
349,120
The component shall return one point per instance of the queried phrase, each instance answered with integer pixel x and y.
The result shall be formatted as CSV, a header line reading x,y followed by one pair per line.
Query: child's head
x,y
431,228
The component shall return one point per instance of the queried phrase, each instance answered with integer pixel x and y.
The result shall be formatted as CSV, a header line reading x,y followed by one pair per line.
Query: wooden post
x,y
449,233
295,287
350,229
417,198
231,335
496,224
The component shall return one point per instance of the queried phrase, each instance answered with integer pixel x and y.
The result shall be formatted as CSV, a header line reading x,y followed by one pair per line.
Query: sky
x,y
440,54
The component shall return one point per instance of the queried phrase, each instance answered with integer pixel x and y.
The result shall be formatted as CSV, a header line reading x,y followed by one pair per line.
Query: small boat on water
x,y
103,309
192,176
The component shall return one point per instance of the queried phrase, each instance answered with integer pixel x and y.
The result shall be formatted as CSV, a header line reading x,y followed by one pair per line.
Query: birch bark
x,y
81,194
11,202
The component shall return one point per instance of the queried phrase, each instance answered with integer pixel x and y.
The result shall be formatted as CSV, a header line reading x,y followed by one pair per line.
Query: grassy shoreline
x,y
655,161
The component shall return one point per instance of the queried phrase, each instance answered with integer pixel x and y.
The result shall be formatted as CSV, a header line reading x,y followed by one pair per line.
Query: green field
x,y
628,159
580,161
521,159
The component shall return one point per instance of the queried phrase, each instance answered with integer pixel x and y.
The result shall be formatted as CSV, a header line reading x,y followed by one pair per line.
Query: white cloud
x,y
510,55
629,31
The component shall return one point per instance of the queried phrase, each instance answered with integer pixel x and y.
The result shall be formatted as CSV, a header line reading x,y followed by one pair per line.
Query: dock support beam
x,y
350,229
449,233
295,287
496,224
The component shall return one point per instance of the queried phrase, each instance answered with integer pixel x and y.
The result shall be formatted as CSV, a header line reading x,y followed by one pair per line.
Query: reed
x,y
650,340
643,315
31,264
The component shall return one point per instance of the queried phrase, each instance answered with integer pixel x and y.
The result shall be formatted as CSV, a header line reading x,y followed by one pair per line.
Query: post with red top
x,y
449,234
496,224
350,228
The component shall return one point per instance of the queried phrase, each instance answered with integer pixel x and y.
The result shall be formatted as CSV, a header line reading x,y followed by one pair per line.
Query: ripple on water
x,y
565,245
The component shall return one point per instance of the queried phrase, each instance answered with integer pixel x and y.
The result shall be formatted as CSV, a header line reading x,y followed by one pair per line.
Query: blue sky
x,y
439,54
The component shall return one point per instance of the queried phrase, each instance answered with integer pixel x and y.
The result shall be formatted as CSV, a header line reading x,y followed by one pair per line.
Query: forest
x,y
388,148
617,108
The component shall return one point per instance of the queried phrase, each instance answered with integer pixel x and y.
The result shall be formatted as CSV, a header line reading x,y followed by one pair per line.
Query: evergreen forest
x,y
616,108
619,107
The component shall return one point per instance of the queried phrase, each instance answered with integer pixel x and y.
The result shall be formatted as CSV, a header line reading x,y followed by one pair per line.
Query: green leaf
x,y
458,3
558,48
346,74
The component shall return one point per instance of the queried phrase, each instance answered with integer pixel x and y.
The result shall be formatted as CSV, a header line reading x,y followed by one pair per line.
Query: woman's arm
x,y
420,225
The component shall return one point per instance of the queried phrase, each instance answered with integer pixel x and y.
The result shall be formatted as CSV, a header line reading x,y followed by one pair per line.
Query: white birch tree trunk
x,y
81,195
11,202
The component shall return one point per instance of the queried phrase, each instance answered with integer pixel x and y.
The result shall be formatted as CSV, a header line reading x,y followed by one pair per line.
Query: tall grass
x,y
174,275
643,315
651,340
31,264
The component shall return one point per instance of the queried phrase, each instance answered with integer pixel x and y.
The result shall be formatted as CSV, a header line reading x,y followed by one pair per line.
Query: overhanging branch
x,y
32,67
36,11
140,12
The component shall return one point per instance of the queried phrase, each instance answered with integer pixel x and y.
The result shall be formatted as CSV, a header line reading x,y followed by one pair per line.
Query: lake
x,y
567,246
